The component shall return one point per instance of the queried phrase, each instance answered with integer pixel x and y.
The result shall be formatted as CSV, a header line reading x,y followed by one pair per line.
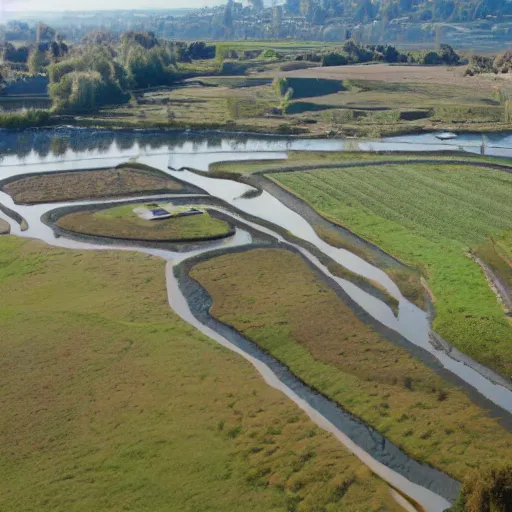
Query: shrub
x,y
487,491
32,118
229,67
334,59
269,53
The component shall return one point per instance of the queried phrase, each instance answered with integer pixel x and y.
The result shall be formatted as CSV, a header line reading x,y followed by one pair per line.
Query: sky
x,y
79,5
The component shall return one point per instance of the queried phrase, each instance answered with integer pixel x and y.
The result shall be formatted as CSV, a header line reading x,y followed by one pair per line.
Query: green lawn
x,y
110,402
123,222
429,216
319,158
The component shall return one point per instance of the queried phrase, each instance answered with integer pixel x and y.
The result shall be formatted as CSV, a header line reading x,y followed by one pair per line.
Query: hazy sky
x,y
78,5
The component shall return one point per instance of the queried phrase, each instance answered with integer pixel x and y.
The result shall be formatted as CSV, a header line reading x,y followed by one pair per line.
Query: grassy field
x,y
69,186
123,222
110,402
319,158
429,216
396,99
273,298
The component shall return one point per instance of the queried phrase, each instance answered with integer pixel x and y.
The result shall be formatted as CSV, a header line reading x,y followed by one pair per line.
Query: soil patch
x,y
400,74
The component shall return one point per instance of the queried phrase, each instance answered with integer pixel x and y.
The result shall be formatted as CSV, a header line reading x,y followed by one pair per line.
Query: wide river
x,y
64,149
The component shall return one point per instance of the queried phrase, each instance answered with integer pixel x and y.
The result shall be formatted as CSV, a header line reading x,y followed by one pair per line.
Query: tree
x,y
257,5
277,16
228,18
36,61
13,54
44,33
292,6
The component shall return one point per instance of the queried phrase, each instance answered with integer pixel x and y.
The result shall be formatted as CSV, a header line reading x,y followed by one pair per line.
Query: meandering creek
x,y
171,152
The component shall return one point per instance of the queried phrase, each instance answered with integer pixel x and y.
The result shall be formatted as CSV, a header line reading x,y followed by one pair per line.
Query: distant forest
x,y
475,24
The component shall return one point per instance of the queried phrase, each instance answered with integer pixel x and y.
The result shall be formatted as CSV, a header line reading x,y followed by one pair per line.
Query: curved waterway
x,y
423,484
170,152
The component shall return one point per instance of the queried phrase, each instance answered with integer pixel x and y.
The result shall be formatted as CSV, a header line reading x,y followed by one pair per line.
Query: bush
x,y
334,59
292,66
269,53
229,67
487,491
32,118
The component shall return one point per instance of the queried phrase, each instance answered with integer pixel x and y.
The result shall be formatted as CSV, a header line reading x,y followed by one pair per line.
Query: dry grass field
x,y
438,75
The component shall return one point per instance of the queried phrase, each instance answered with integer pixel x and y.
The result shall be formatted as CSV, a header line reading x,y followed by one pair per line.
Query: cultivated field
x,y
429,216
123,222
110,402
273,298
69,186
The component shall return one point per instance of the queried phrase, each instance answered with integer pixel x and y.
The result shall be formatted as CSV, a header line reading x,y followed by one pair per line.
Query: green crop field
x,y
429,216
273,298
110,402
123,222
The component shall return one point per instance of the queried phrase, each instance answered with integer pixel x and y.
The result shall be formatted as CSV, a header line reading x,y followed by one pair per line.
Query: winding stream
x,y
411,322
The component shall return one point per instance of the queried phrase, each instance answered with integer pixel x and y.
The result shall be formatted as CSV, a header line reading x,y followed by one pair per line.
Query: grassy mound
x,y
123,222
92,184
429,216
109,401
5,227
273,298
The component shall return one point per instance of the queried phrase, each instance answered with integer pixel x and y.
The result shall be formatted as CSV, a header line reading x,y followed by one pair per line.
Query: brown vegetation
x,y
441,75
90,184
5,227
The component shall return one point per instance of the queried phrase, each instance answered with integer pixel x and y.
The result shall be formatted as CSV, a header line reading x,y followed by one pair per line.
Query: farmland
x,y
69,186
123,222
110,401
429,216
272,297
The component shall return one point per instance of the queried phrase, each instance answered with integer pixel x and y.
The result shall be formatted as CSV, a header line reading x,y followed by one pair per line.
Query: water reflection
x,y
34,146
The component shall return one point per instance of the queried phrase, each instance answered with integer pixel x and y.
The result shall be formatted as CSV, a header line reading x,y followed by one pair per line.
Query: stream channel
x,y
257,218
